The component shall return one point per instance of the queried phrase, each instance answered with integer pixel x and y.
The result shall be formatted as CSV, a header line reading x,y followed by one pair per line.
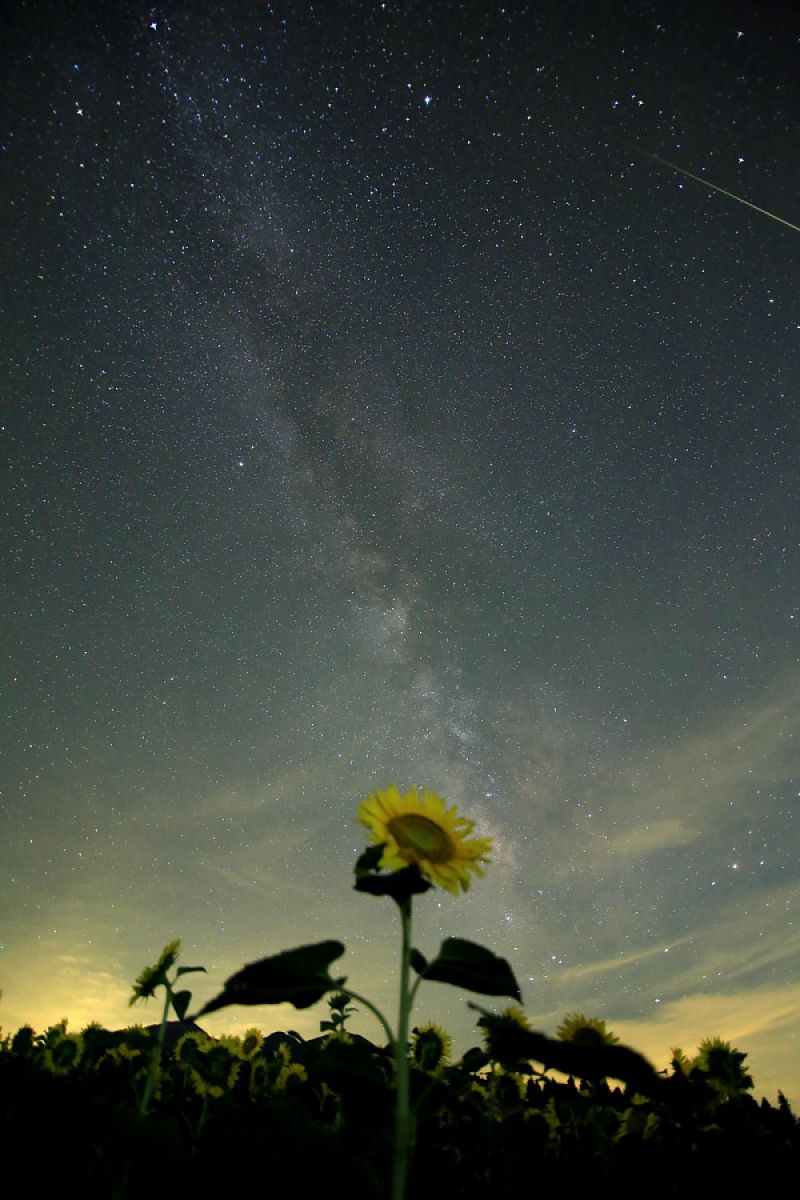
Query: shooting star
x,y
715,187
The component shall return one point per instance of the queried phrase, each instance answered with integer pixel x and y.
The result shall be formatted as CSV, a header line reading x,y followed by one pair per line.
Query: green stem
x,y
402,1119
155,1057
412,994
373,1009
203,1115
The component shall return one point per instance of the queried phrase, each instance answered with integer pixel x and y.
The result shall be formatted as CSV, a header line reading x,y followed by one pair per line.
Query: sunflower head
x,y
155,976
585,1031
22,1043
506,1036
431,1046
63,1054
723,1066
514,1013
252,1042
212,1065
422,832
681,1064
288,1077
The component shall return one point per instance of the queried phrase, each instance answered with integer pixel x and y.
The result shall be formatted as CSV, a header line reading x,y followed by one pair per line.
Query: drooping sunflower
x,y
155,976
63,1052
505,1036
431,1046
514,1013
424,831
252,1042
585,1031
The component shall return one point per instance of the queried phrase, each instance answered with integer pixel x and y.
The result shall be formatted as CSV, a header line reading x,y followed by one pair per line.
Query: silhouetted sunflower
x,y
585,1031
431,1046
426,832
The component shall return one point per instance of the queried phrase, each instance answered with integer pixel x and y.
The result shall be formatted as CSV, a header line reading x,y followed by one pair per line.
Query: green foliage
x,y
157,976
145,986
213,1066
485,1125
23,1040
340,1011
718,1064
226,1110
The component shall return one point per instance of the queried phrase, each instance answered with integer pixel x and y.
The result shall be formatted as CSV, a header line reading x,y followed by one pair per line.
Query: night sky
x,y
375,411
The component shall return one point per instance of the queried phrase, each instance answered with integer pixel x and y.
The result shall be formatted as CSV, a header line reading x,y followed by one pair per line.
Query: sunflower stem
x,y
155,1055
376,1012
413,993
402,1117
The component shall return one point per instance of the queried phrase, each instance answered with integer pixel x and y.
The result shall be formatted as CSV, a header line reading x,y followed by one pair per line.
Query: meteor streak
x,y
716,188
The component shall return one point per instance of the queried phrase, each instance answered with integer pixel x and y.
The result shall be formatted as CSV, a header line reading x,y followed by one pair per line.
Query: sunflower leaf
x,y
474,1059
180,1002
418,961
299,977
467,965
368,861
398,884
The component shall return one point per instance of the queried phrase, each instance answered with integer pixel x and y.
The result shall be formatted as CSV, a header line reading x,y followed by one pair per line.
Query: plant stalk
x,y
376,1012
402,1120
155,1057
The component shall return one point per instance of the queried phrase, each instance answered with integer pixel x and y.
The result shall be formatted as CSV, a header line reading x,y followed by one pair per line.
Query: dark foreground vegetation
x,y
282,1116
170,1112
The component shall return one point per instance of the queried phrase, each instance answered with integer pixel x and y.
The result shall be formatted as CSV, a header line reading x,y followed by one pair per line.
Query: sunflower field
x,y
168,1111
254,1116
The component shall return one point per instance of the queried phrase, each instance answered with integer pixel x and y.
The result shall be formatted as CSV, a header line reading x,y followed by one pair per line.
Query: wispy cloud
x,y
689,791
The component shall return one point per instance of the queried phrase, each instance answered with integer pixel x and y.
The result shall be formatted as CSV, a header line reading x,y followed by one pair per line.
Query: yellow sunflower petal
x,y
423,830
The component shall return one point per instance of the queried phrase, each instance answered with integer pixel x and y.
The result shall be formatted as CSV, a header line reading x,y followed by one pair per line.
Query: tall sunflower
x,y
424,831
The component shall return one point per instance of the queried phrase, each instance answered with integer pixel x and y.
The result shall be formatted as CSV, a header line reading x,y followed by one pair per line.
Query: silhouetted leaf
x,y
470,966
369,859
187,970
474,1059
299,976
418,961
400,885
180,1002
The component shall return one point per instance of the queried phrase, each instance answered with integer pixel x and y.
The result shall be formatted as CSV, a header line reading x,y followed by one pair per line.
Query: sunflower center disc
x,y
421,836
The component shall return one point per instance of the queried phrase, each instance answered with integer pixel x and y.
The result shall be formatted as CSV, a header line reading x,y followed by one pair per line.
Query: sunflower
x,y
212,1065
505,1036
515,1014
431,1046
155,976
292,1070
63,1052
426,832
585,1031
252,1042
